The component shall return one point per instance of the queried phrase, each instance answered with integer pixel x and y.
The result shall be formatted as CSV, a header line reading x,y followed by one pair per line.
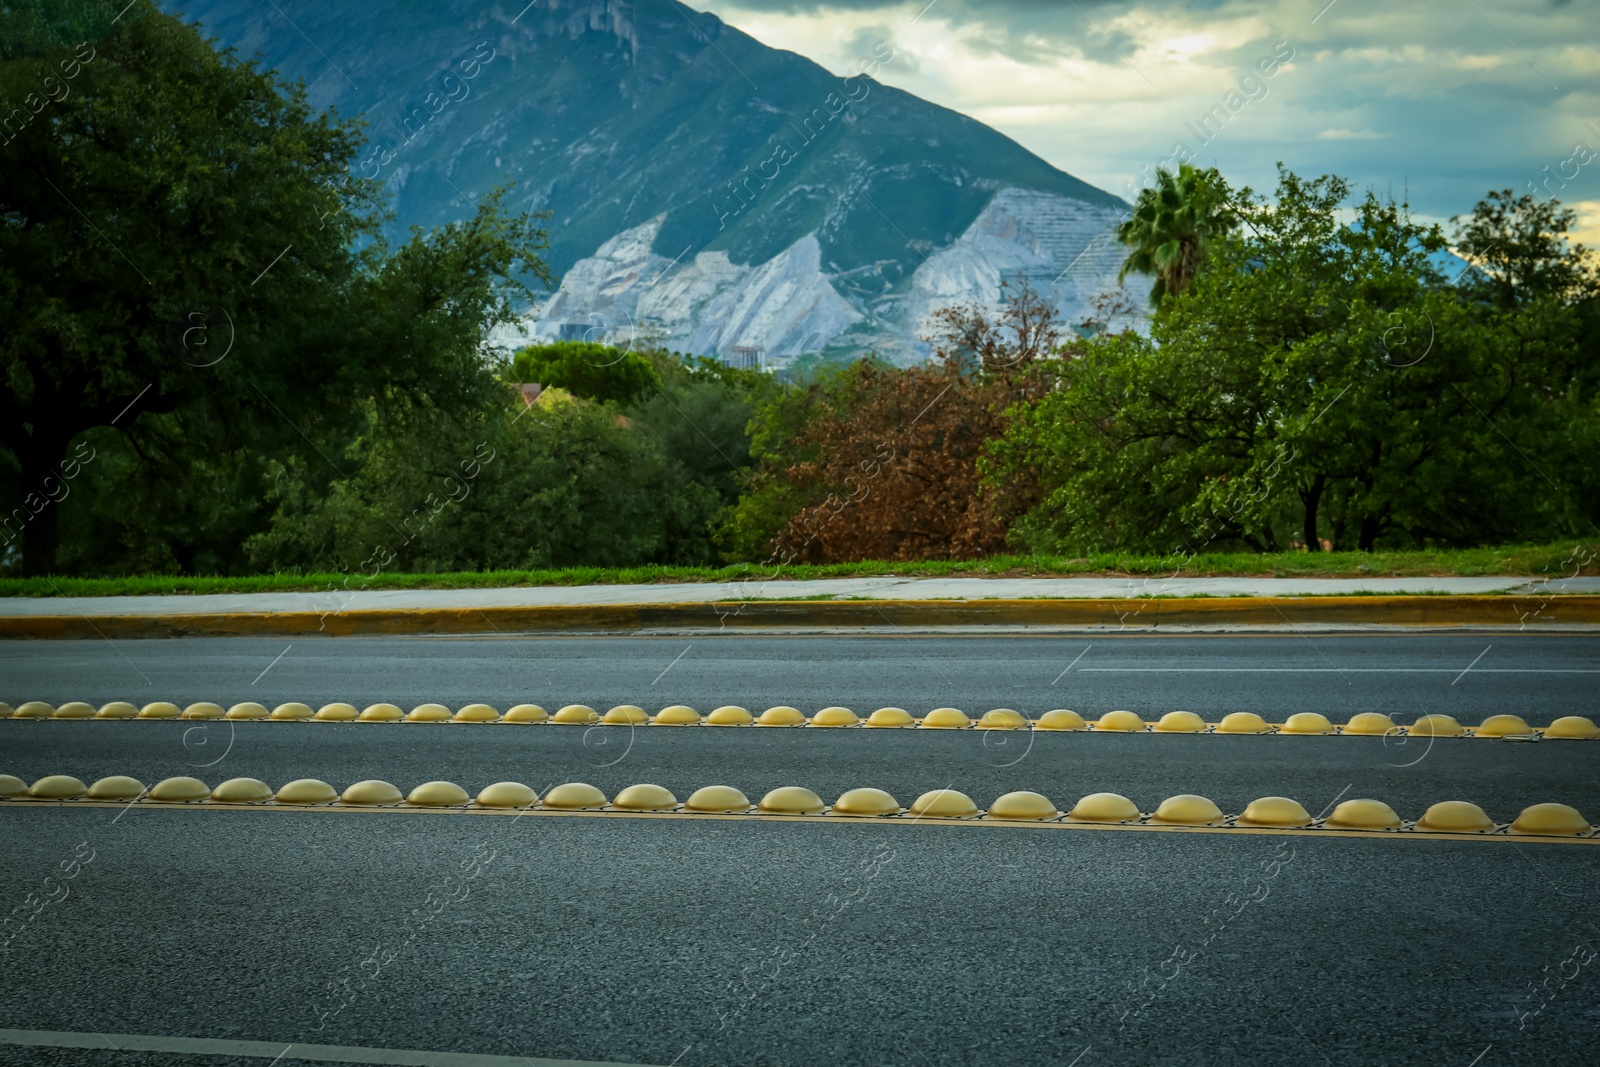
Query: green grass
x,y
1527,560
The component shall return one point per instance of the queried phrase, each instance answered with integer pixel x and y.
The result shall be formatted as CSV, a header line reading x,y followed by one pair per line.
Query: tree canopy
x,y
1324,383
588,369
188,259
1172,228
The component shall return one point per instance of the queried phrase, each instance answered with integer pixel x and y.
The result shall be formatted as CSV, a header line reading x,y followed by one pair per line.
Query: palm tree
x,y
1171,224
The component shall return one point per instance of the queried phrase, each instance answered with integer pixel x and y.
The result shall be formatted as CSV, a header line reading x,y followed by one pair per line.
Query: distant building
x,y
573,331
745,357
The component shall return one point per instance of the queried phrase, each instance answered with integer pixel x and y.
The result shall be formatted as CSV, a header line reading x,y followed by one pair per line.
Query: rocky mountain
x,y
706,191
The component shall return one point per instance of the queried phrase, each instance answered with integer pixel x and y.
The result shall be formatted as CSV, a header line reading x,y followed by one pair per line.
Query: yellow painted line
x,y
1593,838
1418,611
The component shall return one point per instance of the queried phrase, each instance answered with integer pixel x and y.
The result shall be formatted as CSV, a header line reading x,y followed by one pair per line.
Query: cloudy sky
x,y
1442,98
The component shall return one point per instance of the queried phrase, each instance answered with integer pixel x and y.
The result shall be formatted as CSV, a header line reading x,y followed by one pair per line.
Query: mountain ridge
x,y
615,114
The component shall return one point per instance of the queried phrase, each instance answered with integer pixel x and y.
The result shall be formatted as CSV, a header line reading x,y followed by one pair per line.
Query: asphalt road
x,y
698,942
694,943
1470,676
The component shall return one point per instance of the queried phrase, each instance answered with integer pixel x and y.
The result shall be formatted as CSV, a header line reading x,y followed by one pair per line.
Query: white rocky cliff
x,y
788,306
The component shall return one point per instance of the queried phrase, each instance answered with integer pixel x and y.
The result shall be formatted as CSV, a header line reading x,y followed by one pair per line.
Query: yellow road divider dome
x,y
1060,719
1188,809
645,797
117,709
160,709
1243,722
1553,820
1501,725
57,787
337,712
203,710
372,793
429,713
74,709
12,786
1120,722
676,715
242,791
832,718
626,715
117,787
306,791
437,795
791,800
1023,806
1180,722
1457,817
866,801
293,711
33,709
1104,807
1274,811
575,715
945,719
574,796
381,713
717,798
525,713
1306,723
5,710
1363,814
730,715
782,715
180,790
247,710
1002,719
476,713
944,804
1572,726
890,719
1370,723
1436,726
508,795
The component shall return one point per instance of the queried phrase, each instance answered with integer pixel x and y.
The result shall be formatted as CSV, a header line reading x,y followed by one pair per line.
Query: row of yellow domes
x,y
1450,816
1240,722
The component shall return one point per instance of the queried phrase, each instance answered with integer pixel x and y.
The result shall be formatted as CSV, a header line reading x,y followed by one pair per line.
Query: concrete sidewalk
x,y
888,588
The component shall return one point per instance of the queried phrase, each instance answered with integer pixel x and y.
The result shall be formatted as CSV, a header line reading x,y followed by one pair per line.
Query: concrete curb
x,y
1116,613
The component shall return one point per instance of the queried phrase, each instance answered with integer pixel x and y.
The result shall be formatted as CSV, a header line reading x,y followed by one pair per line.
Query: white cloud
x,y
1427,93
1352,135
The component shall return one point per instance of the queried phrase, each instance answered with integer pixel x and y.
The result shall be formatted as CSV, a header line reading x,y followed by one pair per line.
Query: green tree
x,y
587,369
1172,227
1520,253
1321,382
187,258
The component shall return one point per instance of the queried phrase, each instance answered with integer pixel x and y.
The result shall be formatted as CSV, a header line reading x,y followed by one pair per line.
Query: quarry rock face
x,y
1063,248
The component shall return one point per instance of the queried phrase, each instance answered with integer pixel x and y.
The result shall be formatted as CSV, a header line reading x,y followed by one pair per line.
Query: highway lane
x,y
706,942
1408,773
1469,676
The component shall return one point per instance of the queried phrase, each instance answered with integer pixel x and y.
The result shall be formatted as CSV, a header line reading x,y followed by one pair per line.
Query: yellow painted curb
x,y
1418,611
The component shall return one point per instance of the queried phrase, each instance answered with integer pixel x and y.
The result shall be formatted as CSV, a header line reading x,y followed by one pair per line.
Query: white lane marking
x,y
269,1049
